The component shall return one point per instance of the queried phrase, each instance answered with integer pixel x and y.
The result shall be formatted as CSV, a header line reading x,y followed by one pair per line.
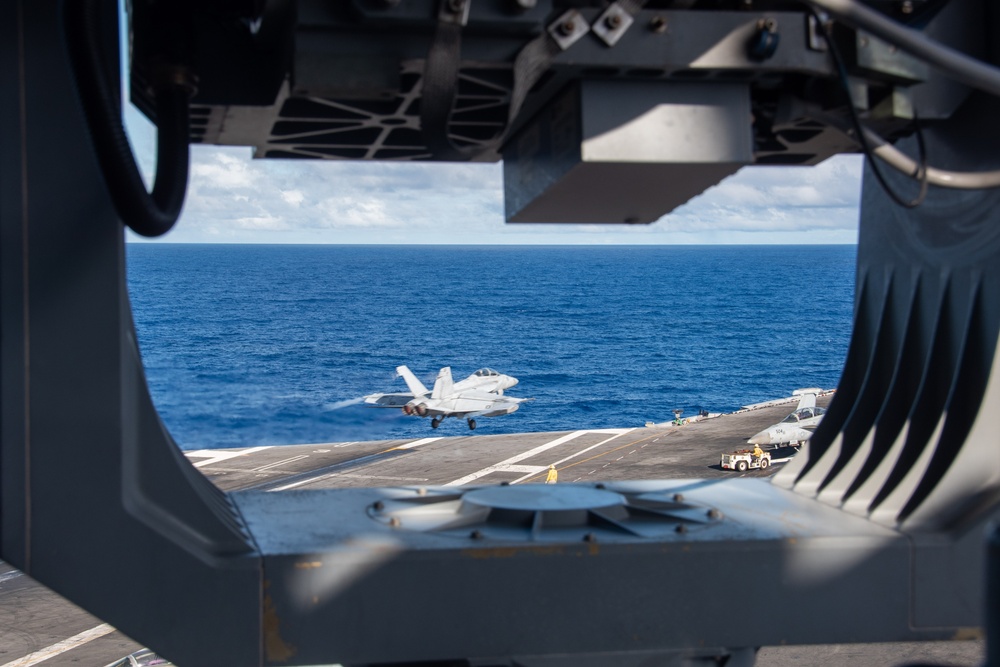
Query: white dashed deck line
x,y
217,456
61,647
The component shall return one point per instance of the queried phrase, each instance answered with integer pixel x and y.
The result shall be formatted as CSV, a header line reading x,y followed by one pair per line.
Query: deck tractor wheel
x,y
472,424
764,463
741,466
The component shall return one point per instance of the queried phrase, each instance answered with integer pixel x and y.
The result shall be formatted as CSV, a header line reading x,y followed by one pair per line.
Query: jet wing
x,y
388,400
482,403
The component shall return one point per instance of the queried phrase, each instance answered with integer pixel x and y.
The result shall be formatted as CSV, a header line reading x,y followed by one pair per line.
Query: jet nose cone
x,y
762,438
510,381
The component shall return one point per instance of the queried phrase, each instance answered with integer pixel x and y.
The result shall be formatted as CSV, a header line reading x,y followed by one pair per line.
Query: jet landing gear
x,y
436,421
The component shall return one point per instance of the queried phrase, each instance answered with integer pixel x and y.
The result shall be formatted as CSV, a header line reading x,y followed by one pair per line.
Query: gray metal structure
x,y
874,533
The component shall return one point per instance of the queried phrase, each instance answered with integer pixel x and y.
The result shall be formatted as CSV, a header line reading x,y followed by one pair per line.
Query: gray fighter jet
x,y
479,395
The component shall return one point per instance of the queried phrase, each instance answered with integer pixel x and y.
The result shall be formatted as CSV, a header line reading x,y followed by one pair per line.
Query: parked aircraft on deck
x,y
479,395
797,427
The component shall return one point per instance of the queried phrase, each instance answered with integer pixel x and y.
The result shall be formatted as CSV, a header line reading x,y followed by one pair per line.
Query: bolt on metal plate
x,y
568,29
612,24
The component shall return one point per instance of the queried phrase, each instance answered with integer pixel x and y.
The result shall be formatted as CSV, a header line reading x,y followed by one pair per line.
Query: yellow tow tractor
x,y
742,460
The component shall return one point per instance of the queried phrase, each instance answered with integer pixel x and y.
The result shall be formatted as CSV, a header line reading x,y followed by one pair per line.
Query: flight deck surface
x,y
451,456
39,627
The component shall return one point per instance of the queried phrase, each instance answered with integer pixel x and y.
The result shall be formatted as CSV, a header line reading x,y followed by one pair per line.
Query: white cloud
x,y
293,197
236,199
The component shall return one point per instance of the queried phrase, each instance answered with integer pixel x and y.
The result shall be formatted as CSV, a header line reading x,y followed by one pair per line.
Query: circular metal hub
x,y
540,498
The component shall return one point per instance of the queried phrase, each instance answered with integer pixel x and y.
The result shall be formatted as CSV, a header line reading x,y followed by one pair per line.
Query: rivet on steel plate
x,y
476,535
681,528
678,497
378,506
658,24
714,514
590,537
395,522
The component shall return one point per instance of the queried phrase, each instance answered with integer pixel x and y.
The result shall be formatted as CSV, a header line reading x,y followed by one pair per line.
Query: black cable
x,y
145,214
921,172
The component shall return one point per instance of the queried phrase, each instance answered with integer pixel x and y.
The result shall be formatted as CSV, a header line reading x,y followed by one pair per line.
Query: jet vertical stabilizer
x,y
808,399
443,386
415,385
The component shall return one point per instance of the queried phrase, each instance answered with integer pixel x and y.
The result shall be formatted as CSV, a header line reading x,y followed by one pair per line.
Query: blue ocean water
x,y
249,345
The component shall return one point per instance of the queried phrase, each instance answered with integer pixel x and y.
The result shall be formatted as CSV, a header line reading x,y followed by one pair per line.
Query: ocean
x,y
248,345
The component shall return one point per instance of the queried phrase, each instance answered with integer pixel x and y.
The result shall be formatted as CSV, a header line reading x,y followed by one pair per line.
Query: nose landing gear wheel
x,y
472,424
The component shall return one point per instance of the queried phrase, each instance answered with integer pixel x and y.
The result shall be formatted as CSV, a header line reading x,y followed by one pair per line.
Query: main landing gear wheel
x,y
435,422
472,424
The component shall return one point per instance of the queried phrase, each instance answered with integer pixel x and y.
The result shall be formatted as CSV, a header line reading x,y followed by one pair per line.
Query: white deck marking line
x,y
602,442
280,463
531,470
618,434
394,479
217,455
310,480
7,576
514,459
417,443
61,647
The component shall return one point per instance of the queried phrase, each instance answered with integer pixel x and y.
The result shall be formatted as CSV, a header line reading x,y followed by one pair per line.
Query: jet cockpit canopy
x,y
803,414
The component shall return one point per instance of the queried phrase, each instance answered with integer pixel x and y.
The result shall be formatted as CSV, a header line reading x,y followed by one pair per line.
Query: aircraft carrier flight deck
x,y
41,627
449,456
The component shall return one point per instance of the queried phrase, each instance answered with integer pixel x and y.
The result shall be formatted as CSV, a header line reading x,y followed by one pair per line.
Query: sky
x,y
233,198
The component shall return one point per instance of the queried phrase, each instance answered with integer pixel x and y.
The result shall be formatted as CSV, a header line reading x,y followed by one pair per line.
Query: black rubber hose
x,y
145,214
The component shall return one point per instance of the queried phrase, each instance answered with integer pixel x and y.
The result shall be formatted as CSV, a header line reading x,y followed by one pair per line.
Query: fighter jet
x,y
797,427
479,395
